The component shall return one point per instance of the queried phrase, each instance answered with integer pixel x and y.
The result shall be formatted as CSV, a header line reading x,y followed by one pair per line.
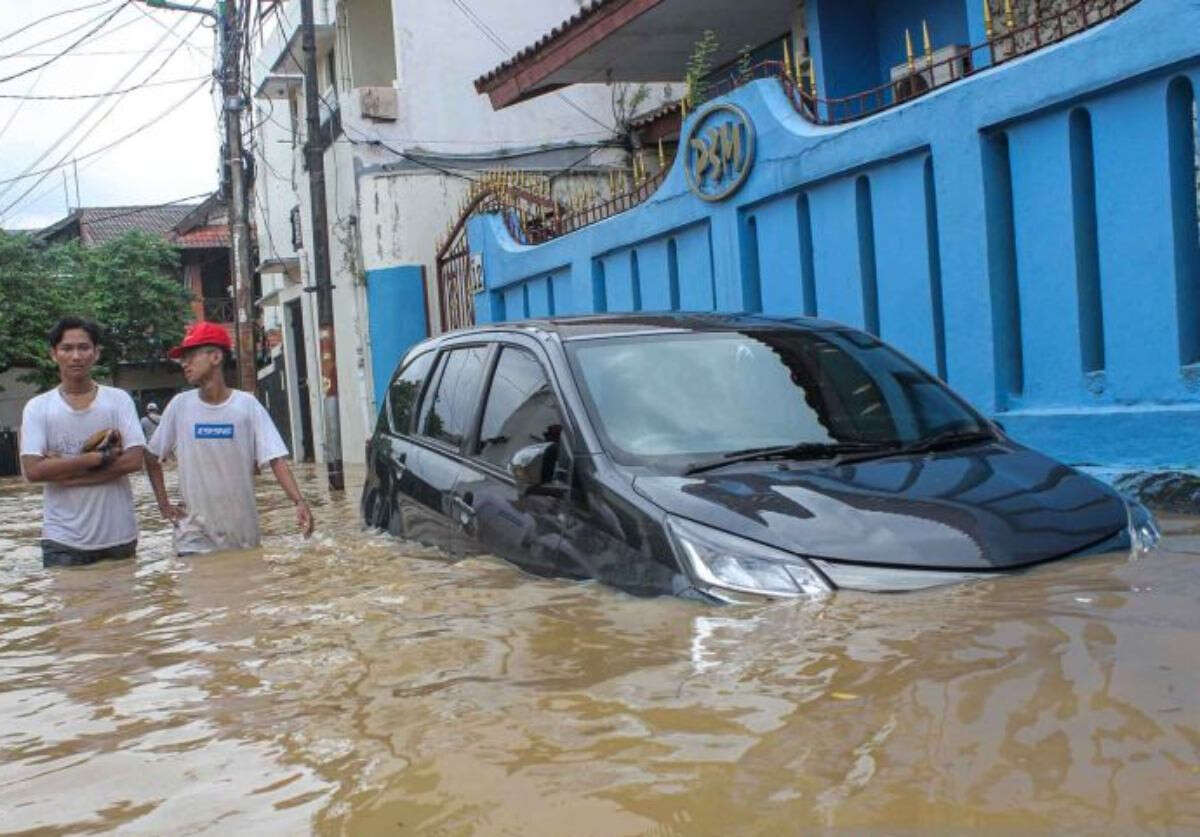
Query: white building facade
x,y
404,137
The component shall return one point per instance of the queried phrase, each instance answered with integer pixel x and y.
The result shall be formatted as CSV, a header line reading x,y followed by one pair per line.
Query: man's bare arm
x,y
159,485
287,482
127,463
59,468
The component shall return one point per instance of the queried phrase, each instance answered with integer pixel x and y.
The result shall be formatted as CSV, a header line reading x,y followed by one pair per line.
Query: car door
x,y
434,460
391,492
520,408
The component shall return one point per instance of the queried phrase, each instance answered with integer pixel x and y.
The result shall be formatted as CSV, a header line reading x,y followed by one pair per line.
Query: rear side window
x,y
405,390
521,409
453,405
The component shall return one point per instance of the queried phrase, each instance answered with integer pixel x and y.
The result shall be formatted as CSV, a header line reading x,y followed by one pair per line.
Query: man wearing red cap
x,y
218,435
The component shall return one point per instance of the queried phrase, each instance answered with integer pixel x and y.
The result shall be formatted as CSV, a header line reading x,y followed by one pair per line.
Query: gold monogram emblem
x,y
720,149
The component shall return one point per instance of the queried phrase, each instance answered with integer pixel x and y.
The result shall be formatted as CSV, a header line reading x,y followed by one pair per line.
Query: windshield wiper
x,y
938,441
803,450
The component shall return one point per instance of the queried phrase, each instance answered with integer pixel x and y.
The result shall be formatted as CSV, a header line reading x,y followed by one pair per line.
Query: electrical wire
x,y
108,33
67,159
25,50
87,115
136,209
51,17
491,35
74,44
94,125
195,49
144,85
100,53
17,110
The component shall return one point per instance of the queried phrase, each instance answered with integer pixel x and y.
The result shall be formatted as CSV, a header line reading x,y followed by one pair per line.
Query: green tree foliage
x,y
130,286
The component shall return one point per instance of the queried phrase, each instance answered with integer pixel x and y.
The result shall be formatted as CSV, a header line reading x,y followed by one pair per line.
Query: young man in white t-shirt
x,y
218,435
87,501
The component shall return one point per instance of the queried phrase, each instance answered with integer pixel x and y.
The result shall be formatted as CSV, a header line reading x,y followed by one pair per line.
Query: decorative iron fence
x,y
1007,39
641,190
456,288
522,199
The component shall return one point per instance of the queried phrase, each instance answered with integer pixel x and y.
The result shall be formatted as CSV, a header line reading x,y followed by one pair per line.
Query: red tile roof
x,y
201,237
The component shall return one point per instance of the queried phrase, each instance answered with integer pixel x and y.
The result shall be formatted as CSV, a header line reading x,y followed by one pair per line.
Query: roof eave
x,y
517,79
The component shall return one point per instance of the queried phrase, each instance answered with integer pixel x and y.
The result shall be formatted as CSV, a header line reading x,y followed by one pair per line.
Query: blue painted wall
x,y
844,46
397,321
947,21
1029,233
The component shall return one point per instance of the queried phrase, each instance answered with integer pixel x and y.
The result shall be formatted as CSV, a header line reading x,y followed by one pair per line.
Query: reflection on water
x,y
356,684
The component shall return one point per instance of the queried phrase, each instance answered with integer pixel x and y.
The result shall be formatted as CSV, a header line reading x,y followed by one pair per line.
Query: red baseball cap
x,y
202,334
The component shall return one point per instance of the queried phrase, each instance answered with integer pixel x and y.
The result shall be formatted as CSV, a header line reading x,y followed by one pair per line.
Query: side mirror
x,y
532,467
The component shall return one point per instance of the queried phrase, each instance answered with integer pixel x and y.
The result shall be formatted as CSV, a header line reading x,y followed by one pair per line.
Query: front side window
x,y
404,391
667,395
521,409
453,405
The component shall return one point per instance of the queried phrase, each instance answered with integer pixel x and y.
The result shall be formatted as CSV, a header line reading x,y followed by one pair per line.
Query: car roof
x,y
603,325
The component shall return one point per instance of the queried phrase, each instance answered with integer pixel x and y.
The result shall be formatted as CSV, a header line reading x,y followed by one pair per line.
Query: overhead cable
x,y
21,104
68,160
88,114
74,44
41,20
491,35
144,85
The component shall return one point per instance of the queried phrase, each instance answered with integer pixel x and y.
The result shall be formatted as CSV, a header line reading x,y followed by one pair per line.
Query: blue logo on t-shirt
x,y
214,431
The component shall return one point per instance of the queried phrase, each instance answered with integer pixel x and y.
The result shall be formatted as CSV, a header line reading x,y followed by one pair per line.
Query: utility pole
x,y
315,162
225,16
239,229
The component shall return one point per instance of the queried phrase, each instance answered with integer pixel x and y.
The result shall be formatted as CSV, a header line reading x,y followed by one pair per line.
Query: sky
x,y
174,157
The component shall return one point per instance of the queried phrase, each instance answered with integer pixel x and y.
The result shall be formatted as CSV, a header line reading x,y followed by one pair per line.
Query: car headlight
x,y
720,560
1144,533
875,579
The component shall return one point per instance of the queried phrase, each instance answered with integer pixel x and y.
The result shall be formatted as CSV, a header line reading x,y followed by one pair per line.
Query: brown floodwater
x,y
357,684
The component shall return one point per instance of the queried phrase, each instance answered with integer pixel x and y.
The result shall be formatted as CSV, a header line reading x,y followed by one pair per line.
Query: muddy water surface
x,y
354,683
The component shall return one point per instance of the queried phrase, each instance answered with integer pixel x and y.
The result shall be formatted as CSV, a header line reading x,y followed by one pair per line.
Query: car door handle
x,y
460,505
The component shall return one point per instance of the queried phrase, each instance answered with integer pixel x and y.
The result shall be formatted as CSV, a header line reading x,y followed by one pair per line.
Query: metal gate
x,y
529,212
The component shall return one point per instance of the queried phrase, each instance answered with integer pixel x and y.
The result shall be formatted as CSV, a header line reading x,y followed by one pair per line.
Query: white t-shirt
x,y
217,446
84,516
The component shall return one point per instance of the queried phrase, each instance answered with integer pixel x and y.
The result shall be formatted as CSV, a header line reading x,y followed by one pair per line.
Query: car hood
x,y
989,507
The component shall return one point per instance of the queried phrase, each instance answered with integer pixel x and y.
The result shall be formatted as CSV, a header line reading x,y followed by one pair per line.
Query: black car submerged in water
x,y
717,457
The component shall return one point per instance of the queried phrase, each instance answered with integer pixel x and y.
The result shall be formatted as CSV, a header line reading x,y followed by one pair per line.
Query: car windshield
x,y
661,396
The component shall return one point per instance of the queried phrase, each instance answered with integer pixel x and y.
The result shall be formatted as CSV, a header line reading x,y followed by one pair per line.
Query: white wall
x,y
440,53
275,187
381,219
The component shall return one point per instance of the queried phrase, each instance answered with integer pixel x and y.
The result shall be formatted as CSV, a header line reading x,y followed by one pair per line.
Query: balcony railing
x,y
1007,39
218,309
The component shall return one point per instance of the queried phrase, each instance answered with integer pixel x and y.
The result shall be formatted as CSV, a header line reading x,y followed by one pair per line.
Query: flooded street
x,y
354,684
